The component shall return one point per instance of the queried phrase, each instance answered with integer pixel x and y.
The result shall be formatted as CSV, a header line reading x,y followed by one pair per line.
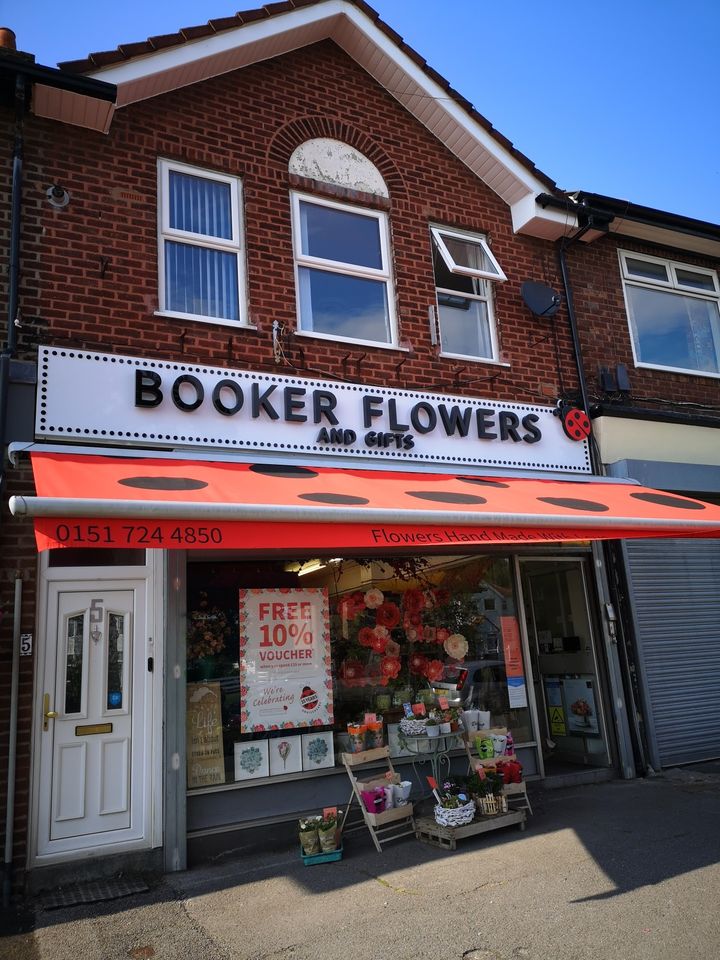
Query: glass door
x,y
567,685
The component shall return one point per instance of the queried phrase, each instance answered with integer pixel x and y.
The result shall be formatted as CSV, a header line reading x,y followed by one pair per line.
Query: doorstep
x,y
575,778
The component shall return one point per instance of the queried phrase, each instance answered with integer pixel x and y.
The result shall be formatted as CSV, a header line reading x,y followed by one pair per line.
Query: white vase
x,y
483,722
470,720
432,731
445,728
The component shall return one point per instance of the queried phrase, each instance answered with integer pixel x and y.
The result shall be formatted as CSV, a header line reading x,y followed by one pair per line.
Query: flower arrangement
x,y
581,708
208,630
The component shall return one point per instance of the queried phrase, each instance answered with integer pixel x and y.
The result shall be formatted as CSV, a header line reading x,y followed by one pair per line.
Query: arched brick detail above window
x,y
332,161
297,132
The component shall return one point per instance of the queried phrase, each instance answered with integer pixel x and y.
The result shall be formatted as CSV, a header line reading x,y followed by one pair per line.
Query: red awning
x,y
106,501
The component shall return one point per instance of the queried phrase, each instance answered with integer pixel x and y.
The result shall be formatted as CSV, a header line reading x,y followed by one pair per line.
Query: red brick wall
x,y
248,123
605,336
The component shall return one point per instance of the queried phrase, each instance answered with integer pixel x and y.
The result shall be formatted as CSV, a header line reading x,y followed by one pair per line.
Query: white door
x,y
92,790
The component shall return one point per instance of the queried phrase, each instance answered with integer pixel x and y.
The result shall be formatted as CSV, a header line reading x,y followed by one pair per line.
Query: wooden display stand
x,y
427,830
386,826
515,792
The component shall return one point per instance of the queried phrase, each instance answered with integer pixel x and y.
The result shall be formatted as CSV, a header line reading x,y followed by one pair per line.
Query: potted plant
x,y
309,837
445,723
328,832
432,727
454,811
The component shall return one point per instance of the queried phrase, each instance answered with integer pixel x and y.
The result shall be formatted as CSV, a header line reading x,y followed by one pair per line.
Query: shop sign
x,y
514,673
205,757
96,397
285,664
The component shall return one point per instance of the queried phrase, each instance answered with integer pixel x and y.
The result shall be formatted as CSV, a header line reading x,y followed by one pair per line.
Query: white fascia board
x,y
171,58
347,26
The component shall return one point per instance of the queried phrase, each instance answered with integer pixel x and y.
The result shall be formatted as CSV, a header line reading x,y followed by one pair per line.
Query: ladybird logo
x,y
308,699
576,424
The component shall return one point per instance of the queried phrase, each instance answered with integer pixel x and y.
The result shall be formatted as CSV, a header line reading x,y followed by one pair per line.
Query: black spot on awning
x,y
163,483
668,500
440,496
337,498
590,506
282,470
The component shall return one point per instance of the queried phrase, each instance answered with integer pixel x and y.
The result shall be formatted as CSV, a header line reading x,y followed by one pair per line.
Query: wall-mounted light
x,y
58,196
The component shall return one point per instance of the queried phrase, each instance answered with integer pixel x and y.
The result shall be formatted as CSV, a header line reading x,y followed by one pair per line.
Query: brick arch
x,y
289,137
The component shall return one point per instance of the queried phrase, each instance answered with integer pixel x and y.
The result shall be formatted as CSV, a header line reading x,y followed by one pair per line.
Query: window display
x,y
351,641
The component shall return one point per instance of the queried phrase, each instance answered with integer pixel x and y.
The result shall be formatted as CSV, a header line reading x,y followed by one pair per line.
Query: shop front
x,y
291,565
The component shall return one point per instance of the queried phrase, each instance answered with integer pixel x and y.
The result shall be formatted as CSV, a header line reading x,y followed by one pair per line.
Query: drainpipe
x,y
12,746
614,566
13,268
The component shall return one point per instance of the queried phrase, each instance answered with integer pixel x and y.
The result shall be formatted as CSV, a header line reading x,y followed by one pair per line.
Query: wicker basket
x,y
455,816
412,727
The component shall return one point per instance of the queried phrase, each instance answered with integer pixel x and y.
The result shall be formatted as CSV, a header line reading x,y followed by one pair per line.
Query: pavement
x,y
628,870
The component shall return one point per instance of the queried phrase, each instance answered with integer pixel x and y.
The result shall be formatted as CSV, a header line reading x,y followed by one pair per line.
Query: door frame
x,y
107,578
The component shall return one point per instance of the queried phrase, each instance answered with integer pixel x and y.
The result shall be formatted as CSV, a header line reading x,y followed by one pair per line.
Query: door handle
x,y
48,714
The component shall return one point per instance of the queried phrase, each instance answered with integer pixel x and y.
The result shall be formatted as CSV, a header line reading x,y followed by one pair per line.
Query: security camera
x,y
58,196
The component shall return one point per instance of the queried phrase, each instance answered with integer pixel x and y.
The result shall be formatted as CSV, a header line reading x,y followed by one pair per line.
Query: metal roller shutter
x,y
675,587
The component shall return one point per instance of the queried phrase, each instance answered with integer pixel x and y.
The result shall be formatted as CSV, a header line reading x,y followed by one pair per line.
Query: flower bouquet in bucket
x,y
308,828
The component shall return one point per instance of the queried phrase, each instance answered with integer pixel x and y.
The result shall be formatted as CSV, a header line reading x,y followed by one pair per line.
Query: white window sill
x,y
683,370
463,356
375,344
193,318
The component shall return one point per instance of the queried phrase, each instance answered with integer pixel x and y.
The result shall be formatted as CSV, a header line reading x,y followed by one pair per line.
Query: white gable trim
x,y
198,60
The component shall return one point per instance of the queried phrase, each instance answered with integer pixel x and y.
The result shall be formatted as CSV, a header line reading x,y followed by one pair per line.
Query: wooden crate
x,y
427,830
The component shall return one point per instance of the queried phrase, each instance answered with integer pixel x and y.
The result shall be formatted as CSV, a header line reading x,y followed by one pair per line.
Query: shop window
x,y
673,312
464,271
395,628
200,245
342,269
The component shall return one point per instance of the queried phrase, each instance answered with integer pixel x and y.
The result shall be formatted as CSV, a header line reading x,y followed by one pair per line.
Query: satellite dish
x,y
540,299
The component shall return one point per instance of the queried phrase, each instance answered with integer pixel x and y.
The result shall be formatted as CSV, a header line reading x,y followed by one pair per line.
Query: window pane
x,y
74,651
201,281
468,253
447,280
115,657
675,331
690,278
646,268
340,236
200,206
464,326
344,306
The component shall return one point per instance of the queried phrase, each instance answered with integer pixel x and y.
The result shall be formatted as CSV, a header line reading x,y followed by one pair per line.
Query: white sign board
x,y
132,401
285,665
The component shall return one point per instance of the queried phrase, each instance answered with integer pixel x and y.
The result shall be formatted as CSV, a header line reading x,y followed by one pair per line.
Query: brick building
x,y
274,293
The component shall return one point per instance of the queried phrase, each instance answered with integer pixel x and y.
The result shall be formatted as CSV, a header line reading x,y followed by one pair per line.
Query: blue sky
x,y
618,97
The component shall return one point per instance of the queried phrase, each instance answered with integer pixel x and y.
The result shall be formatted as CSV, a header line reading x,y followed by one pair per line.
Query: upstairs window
x,y
464,271
673,314
342,263
201,258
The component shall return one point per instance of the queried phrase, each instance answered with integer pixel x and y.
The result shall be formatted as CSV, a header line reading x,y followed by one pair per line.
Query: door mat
x,y
92,892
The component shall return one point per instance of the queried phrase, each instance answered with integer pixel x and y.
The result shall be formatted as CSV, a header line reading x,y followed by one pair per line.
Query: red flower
x,y
379,643
441,635
390,667
387,615
413,601
366,637
429,634
434,670
417,663
392,649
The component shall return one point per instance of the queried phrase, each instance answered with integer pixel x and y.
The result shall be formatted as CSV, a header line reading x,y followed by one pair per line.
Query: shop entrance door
x,y
568,689
91,786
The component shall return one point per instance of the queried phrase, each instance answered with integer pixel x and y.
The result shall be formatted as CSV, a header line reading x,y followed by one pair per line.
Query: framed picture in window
x,y
317,750
285,755
251,760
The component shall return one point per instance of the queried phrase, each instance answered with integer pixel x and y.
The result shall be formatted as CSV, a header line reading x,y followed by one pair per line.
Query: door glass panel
x,y
567,686
115,660
74,652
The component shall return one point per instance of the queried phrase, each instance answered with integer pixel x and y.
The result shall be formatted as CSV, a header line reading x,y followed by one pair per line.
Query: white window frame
x,y
671,285
436,237
234,245
346,269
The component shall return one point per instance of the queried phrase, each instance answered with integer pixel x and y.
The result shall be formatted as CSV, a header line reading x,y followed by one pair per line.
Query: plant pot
x,y
356,733
374,735
328,839
445,728
401,793
310,842
432,731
